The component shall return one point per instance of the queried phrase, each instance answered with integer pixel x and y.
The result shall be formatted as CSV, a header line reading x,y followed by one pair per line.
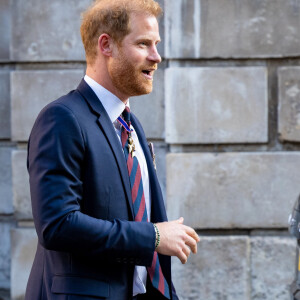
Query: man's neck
x,y
103,79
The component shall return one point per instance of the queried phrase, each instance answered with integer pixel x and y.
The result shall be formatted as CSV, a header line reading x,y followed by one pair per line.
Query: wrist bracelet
x,y
157,236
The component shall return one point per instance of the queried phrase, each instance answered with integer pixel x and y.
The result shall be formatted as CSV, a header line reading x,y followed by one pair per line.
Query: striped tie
x,y
139,205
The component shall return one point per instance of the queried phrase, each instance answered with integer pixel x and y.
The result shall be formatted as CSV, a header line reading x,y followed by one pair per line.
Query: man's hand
x,y
177,239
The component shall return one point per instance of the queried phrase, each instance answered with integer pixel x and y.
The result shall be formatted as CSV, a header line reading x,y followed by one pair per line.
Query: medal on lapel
x,y
131,146
151,147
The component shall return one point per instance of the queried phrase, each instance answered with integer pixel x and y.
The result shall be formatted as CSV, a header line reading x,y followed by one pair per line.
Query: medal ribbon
x,y
124,124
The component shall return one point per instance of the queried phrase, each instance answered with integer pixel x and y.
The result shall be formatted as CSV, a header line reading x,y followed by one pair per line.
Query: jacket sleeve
x,y
55,160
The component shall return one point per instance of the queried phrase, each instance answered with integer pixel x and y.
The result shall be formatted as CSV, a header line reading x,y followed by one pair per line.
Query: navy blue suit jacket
x,y
88,243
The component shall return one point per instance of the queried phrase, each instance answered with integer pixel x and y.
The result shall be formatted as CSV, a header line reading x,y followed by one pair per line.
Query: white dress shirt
x,y
114,108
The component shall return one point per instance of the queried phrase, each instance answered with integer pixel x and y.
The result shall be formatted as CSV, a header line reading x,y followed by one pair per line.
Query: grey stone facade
x,y
224,117
24,242
217,105
4,105
239,29
6,207
219,271
32,90
261,187
289,103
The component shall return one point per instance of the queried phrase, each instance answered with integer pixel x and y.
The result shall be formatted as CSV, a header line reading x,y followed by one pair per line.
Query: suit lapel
x,y
158,211
108,129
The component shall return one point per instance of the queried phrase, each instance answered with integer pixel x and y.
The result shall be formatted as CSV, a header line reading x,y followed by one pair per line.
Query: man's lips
x,y
148,73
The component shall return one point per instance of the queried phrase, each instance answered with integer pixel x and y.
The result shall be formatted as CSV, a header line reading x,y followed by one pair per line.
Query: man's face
x,y
133,63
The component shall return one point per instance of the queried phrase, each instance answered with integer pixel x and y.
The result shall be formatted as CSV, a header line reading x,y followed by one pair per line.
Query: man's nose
x,y
154,55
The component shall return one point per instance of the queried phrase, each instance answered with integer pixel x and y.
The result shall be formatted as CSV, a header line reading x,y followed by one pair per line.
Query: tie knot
x,y
126,115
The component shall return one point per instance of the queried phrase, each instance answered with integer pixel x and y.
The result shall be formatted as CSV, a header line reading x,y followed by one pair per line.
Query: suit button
x,y
118,259
138,261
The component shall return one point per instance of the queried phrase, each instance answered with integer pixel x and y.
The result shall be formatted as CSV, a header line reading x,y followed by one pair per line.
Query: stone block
x,y
4,102
5,255
150,109
238,29
273,264
5,21
24,243
32,90
21,191
6,206
233,190
218,271
216,105
289,103
47,30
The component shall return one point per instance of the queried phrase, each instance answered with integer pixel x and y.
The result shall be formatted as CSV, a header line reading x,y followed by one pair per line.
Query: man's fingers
x,y
191,232
182,257
191,243
186,250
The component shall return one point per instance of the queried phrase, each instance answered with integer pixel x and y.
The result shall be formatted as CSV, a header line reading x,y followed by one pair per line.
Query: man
x,y
97,205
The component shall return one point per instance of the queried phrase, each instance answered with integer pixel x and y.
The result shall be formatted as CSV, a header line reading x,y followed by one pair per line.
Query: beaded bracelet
x,y
157,238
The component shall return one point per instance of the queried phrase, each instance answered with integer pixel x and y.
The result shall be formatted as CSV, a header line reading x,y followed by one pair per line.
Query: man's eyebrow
x,y
144,38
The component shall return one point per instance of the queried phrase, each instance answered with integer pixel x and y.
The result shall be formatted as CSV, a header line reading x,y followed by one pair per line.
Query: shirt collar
x,y
112,104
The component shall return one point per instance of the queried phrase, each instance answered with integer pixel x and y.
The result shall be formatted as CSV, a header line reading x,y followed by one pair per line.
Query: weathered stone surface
x,y
5,19
6,206
273,264
206,28
4,102
24,242
289,103
32,90
218,271
150,108
216,105
47,30
4,255
21,191
233,190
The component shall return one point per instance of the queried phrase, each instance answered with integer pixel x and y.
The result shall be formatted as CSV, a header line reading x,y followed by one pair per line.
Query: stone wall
x,y
226,128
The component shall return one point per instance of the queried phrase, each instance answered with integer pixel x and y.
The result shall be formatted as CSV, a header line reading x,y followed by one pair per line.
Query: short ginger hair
x,y
111,17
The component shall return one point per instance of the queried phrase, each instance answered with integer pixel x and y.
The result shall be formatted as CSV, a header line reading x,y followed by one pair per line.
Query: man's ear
x,y
105,44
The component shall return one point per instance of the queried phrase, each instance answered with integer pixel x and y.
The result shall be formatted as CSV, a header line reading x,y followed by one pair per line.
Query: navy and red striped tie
x,y
139,205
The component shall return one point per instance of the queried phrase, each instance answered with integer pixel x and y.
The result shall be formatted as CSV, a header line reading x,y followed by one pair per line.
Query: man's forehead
x,y
144,25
